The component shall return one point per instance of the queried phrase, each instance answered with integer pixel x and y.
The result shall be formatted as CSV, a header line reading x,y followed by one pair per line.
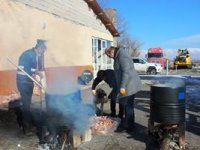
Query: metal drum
x,y
168,103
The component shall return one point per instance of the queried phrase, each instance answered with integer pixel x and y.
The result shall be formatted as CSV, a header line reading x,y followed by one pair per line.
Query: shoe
x,y
33,129
21,134
120,116
29,133
129,130
48,138
113,115
120,129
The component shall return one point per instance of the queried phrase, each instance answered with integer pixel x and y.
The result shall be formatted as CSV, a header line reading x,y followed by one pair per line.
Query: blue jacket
x,y
28,62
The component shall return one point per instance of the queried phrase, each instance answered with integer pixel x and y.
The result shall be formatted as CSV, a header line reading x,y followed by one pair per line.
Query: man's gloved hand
x,y
94,92
122,91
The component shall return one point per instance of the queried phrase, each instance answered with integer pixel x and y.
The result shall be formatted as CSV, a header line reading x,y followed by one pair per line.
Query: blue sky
x,y
170,24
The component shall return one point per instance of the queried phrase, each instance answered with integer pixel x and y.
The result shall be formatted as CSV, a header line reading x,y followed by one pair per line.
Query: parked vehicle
x,y
142,66
156,55
183,59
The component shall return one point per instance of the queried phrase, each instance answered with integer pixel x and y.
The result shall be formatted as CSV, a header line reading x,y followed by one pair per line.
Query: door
x,y
100,60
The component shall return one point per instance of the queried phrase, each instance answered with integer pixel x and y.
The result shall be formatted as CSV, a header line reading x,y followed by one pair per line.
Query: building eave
x,y
103,17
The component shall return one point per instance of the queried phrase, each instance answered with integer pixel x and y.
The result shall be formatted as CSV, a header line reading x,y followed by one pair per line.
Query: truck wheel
x,y
151,71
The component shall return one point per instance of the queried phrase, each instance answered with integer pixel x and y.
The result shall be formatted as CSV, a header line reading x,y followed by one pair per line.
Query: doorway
x,y
100,60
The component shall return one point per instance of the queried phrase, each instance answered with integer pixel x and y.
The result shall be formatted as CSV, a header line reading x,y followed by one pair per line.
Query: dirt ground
x,y
12,139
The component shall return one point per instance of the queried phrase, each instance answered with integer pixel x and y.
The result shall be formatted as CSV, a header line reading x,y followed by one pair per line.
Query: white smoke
x,y
65,97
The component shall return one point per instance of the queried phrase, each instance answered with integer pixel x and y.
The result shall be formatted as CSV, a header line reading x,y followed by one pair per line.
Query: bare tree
x,y
130,44
125,39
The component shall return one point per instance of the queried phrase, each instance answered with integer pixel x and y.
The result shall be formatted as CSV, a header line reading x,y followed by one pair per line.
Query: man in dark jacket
x,y
128,83
109,77
29,62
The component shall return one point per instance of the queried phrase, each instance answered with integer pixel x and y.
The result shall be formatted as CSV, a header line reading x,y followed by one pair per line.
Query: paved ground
x,y
10,139
138,140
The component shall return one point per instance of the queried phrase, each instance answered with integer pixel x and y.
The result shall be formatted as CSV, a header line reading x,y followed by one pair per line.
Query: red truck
x,y
156,55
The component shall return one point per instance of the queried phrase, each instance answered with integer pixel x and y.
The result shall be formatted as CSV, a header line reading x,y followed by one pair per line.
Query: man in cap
x,y
30,62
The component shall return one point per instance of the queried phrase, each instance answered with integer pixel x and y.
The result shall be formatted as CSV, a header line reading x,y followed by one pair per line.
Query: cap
x,y
40,43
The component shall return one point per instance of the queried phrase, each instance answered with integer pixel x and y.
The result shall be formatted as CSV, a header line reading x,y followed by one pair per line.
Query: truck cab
x,y
156,55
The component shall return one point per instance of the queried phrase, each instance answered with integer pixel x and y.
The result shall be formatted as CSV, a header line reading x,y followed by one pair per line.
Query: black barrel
x,y
168,103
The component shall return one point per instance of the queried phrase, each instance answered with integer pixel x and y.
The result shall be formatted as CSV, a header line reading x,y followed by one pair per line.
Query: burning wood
x,y
104,125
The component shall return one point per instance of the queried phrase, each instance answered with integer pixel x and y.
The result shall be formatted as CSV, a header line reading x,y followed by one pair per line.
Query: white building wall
x,y
73,10
69,43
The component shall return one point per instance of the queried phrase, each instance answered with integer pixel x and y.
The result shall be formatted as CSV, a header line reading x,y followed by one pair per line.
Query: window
x,y
141,61
157,55
99,58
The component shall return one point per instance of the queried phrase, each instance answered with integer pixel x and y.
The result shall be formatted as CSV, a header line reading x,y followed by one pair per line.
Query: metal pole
x,y
167,67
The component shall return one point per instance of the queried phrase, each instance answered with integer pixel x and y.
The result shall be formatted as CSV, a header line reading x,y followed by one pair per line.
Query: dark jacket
x,y
28,62
125,73
110,80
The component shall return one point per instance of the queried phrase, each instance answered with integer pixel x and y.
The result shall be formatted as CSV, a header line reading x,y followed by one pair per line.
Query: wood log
x,y
75,138
87,136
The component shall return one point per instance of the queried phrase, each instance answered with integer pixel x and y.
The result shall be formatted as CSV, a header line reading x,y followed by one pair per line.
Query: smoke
x,y
19,32
62,83
191,84
64,98
176,82
74,113
169,81
16,32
